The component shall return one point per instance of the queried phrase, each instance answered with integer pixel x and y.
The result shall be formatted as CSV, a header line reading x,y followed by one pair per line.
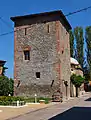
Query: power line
x,y
5,22
21,36
69,14
80,10
6,33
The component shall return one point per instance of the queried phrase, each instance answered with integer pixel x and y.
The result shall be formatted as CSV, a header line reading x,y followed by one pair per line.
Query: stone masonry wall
x,y
44,58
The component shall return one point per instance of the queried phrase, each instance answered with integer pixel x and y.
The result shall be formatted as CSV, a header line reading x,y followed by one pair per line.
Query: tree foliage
x,y
79,50
78,33
77,80
71,43
86,73
88,51
6,86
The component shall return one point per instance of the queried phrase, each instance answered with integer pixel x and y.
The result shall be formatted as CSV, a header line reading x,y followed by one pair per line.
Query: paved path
x,y
77,109
10,112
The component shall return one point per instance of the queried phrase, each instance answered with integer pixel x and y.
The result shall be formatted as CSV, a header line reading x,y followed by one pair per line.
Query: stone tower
x,y
41,54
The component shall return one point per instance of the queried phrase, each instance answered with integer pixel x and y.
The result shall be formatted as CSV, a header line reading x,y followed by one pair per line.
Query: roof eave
x,y
45,13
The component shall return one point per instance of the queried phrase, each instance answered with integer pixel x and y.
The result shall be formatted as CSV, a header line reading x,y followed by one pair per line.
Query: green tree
x,y
6,86
77,80
78,33
71,43
88,51
86,73
11,86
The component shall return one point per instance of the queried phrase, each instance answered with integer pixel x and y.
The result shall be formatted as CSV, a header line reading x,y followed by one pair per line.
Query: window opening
x,y
48,28
27,55
37,74
25,31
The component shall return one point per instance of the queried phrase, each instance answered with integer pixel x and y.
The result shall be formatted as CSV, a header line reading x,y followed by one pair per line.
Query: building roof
x,y
42,14
2,62
74,61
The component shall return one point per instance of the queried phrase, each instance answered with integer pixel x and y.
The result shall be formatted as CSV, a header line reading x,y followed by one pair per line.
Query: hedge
x,y
8,100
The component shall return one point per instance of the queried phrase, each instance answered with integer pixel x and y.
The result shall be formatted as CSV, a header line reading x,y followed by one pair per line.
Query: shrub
x,y
8,100
47,100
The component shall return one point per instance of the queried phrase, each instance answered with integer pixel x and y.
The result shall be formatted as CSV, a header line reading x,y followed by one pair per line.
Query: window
x,y
62,51
48,29
26,55
25,31
37,74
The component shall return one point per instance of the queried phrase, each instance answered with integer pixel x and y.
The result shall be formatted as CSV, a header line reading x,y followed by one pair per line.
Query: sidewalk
x,y
8,112
53,110
35,111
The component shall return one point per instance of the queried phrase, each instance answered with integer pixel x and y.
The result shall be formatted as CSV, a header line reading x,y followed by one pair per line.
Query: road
x,y
75,109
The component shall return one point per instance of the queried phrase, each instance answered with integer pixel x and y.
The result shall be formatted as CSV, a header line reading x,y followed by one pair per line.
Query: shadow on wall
x,y
75,113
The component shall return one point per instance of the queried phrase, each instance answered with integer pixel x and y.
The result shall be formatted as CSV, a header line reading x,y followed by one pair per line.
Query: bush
x,y
8,100
29,100
47,100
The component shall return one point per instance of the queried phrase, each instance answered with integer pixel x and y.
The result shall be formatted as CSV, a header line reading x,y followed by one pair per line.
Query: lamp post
x,y
35,99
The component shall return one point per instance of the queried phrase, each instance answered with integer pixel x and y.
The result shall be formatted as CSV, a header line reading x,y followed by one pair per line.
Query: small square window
x,y
25,31
62,51
27,55
48,28
37,74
